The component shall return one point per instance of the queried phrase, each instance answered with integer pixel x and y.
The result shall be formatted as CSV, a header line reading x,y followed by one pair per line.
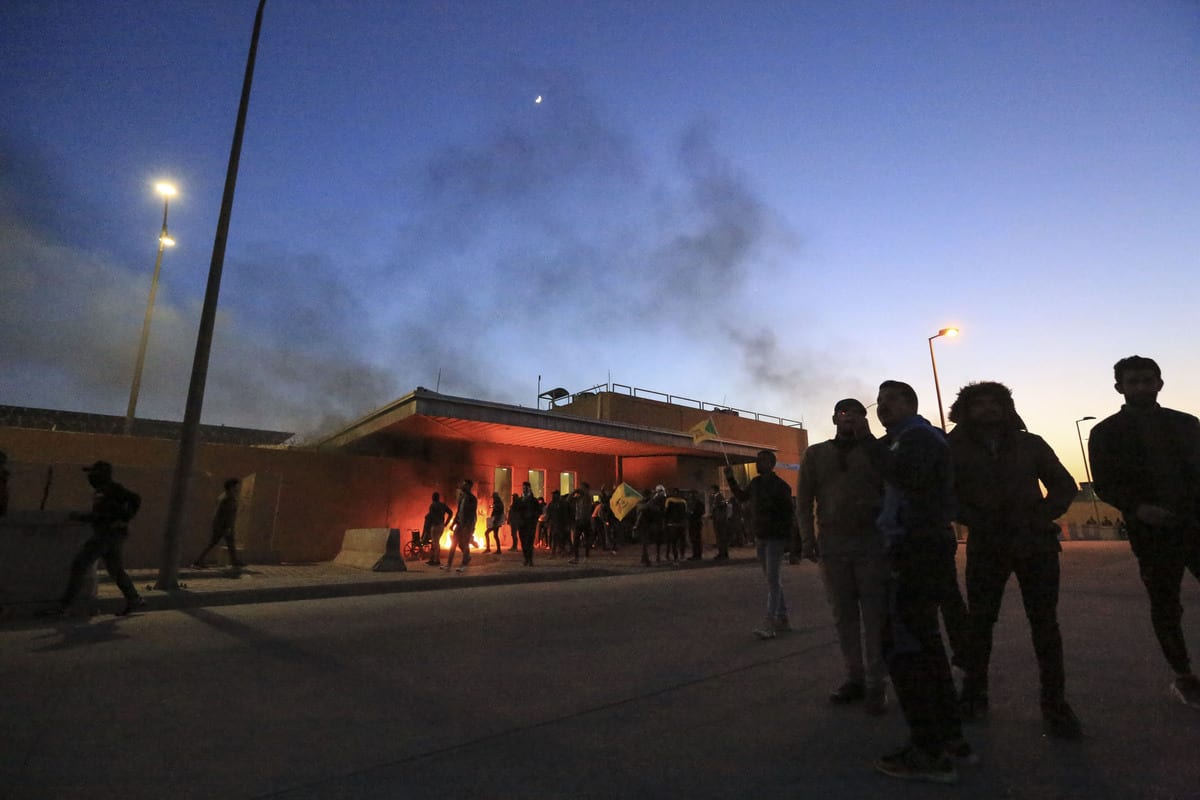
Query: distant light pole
x,y
167,191
1086,469
937,387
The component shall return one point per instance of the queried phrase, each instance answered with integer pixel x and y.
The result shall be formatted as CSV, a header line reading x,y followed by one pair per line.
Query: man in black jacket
x,y
1146,462
773,519
999,471
917,508
113,506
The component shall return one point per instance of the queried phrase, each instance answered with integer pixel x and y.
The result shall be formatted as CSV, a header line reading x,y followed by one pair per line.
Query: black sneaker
x,y
1186,689
875,701
848,692
961,751
135,604
1059,721
914,764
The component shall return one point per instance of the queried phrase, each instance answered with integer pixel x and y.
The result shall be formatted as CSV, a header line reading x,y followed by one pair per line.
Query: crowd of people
x,y
879,516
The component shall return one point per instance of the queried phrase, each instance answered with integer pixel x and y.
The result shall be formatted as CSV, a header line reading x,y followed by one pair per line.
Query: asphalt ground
x,y
637,683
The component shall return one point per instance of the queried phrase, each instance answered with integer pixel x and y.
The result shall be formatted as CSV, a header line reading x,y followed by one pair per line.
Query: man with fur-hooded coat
x,y
999,470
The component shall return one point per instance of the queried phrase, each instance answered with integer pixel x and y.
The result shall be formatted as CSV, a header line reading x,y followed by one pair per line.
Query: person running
x,y
840,484
1146,462
918,506
772,519
113,506
999,471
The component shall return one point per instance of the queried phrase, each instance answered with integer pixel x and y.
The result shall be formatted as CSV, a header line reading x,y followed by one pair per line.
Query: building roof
x,y
81,422
424,414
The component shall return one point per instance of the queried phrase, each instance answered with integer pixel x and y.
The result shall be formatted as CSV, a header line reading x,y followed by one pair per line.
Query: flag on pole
x,y
702,431
624,499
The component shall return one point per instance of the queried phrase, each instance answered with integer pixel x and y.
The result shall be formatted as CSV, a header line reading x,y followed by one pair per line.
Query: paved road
x,y
645,685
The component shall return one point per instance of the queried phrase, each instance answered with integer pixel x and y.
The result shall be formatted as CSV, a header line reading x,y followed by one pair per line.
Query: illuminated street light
x,y
1087,470
936,387
164,241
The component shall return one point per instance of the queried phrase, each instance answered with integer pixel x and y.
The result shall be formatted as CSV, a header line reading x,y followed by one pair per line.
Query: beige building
x,y
380,470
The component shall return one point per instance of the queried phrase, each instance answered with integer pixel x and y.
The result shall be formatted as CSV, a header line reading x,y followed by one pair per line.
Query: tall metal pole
x,y
1087,470
168,573
936,386
141,355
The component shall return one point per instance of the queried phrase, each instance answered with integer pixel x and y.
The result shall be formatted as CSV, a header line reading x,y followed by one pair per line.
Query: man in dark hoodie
x,y
1146,462
918,506
999,469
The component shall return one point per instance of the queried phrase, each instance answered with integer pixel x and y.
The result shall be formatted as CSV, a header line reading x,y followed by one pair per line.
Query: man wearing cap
x,y
841,486
112,507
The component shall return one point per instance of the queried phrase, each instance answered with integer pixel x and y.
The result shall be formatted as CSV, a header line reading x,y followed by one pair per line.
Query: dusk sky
x,y
770,205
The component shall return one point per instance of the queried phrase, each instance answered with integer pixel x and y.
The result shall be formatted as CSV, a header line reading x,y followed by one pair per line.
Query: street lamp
x,y
164,241
936,387
1087,470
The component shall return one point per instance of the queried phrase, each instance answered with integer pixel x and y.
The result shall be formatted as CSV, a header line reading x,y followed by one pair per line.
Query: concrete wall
x,y
298,504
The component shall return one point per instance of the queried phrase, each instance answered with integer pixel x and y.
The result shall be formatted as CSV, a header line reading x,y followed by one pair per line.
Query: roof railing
x,y
674,399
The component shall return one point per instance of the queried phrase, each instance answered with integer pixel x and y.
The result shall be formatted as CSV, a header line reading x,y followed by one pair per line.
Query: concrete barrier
x,y
376,549
36,550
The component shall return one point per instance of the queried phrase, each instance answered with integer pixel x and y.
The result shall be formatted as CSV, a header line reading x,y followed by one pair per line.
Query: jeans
x,y
770,556
1038,578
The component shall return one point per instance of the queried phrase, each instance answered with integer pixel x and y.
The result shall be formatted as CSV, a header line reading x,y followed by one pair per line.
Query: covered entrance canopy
x,y
423,415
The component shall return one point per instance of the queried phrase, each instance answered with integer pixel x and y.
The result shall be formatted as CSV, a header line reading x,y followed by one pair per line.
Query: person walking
x,y
917,509
841,486
113,506
463,525
224,524
581,525
1146,462
494,521
772,519
999,471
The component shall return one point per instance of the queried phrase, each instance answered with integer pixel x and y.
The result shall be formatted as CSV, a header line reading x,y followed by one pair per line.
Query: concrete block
x,y
376,549
36,550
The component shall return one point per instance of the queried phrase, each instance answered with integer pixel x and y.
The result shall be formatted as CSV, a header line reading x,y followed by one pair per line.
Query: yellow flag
x,y
624,499
703,431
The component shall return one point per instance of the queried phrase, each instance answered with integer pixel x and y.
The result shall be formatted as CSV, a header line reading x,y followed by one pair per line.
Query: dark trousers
x,y
462,541
913,644
105,546
721,530
227,535
582,534
1162,574
954,613
1038,579
527,533
696,538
